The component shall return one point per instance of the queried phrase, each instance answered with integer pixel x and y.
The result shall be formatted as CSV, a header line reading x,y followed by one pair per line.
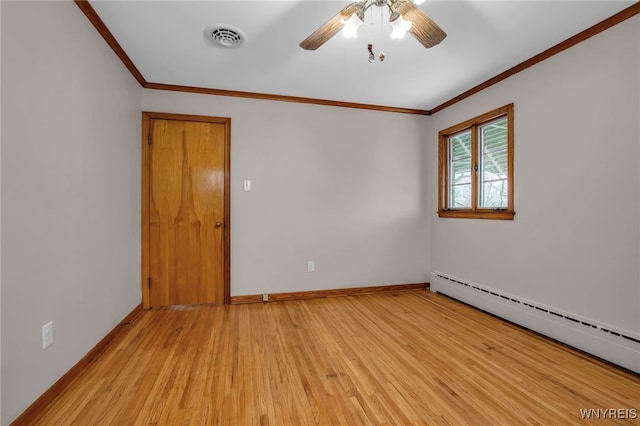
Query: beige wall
x,y
343,187
574,243
70,194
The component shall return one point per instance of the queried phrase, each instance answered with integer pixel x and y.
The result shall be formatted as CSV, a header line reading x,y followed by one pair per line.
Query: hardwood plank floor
x,y
404,358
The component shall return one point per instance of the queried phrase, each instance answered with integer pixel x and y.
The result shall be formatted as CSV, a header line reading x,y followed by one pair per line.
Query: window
x,y
476,167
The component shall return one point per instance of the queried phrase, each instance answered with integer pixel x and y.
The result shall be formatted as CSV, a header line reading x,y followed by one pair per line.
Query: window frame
x,y
474,125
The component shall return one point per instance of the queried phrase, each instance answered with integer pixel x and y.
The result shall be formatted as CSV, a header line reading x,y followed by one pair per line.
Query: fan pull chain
x,y
372,56
381,56
372,24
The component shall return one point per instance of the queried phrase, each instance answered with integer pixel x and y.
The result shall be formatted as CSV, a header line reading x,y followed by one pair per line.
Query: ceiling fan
x,y
403,15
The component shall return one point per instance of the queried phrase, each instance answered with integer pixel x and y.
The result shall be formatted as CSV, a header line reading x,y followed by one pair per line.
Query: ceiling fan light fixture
x,y
418,2
405,16
400,27
351,26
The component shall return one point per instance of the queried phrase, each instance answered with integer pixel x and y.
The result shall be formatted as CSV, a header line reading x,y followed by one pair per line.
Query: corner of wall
x,y
70,194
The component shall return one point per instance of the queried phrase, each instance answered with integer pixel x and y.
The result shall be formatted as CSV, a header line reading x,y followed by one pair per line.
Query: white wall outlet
x,y
265,297
247,185
47,335
311,266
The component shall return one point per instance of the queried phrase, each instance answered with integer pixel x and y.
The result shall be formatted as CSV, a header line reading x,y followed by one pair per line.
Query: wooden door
x,y
187,210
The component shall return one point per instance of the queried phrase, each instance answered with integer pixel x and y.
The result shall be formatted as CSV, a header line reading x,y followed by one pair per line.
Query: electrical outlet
x,y
47,335
311,266
265,297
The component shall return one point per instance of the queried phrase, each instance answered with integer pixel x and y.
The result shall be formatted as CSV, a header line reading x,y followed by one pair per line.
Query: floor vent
x,y
529,305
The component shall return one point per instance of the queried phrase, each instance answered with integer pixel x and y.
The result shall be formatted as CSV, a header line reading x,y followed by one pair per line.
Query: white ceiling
x,y
166,42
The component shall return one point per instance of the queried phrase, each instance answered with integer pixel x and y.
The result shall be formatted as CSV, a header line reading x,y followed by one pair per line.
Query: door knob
x,y
218,224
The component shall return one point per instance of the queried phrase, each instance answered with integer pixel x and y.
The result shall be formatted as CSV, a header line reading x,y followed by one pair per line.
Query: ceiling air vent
x,y
226,36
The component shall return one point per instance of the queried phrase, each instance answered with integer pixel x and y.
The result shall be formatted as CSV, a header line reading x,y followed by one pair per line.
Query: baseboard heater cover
x,y
621,347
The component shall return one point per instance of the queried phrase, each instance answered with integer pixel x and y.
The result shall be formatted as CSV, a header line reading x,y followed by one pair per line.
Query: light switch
x,y
47,335
247,185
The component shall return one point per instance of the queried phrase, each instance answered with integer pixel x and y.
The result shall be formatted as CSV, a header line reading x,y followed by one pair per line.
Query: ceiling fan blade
x,y
331,28
427,32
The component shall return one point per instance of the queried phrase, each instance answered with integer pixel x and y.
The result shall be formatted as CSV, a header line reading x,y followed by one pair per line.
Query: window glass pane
x,y
460,145
460,196
460,170
494,165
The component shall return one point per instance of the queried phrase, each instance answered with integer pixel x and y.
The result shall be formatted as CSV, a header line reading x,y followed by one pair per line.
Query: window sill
x,y
478,214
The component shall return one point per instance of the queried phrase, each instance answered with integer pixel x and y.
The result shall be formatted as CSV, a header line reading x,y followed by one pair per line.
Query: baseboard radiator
x,y
621,347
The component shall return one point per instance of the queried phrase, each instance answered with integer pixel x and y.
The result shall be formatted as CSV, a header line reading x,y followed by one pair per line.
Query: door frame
x,y
147,117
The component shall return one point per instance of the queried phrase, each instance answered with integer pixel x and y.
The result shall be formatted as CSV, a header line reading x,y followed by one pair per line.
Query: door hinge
x,y
149,139
149,282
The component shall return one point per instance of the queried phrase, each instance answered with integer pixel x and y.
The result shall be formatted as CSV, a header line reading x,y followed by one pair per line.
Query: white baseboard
x,y
621,347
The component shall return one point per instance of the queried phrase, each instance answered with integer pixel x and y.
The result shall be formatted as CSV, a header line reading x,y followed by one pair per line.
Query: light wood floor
x,y
402,358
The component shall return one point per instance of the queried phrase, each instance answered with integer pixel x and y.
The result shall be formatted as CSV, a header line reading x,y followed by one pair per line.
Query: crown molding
x,y
93,17
100,26
282,98
612,21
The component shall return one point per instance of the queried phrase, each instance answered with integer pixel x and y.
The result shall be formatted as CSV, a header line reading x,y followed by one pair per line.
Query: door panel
x,y
187,173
